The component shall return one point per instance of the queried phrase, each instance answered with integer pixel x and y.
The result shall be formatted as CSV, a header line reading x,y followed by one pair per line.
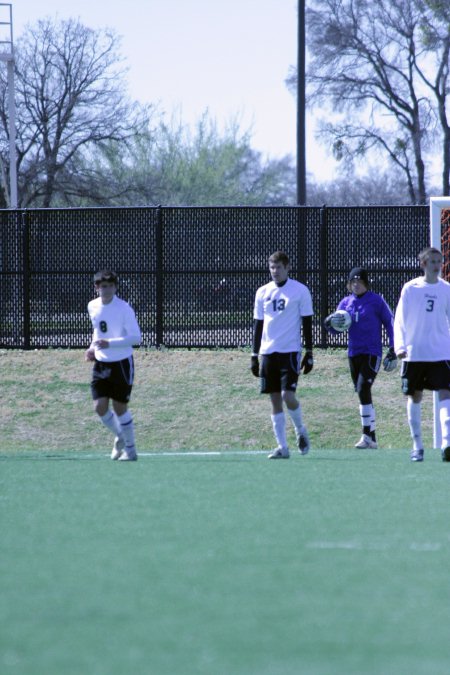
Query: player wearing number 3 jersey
x,y
282,315
116,330
422,340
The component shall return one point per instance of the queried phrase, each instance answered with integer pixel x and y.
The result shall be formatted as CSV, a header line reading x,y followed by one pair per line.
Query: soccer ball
x,y
341,320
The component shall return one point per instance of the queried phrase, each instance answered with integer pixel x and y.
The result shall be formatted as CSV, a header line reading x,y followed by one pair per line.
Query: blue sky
x,y
228,56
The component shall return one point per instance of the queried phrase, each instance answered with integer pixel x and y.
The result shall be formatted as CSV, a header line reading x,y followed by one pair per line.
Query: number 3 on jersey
x,y
278,305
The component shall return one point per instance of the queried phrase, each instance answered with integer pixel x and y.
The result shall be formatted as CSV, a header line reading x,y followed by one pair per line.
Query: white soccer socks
x,y
127,430
296,417
279,429
414,413
123,429
373,419
367,415
444,417
111,422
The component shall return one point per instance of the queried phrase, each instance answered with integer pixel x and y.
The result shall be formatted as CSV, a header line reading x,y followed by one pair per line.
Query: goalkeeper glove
x,y
337,320
334,320
254,366
327,322
307,362
390,360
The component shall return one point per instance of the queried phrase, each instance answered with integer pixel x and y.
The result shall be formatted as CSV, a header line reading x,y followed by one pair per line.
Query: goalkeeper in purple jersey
x,y
369,313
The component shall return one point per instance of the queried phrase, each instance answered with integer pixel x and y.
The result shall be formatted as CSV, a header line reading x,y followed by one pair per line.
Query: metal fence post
x,y
26,280
159,328
324,274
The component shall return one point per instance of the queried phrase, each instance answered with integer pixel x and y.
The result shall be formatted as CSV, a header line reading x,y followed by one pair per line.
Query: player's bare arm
x,y
89,354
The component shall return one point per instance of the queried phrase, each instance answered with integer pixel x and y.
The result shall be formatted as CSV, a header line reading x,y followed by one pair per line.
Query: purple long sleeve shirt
x,y
369,313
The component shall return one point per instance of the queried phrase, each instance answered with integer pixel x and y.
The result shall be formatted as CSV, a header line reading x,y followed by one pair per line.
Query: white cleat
x,y
118,448
279,453
366,442
128,455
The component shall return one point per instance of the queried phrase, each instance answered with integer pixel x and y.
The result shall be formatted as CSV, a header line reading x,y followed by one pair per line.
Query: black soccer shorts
x,y
113,379
279,372
420,375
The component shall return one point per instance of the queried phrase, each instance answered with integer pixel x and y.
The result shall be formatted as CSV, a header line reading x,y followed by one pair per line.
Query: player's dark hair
x,y
105,275
279,257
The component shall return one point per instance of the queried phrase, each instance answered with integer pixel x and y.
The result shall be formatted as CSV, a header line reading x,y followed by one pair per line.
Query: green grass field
x,y
204,557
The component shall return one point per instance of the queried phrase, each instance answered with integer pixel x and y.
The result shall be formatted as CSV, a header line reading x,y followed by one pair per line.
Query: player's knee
x,y
101,406
290,399
120,408
364,391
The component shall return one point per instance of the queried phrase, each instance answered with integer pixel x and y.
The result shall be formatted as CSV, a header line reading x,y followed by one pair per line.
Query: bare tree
x,y
374,188
436,41
70,96
384,65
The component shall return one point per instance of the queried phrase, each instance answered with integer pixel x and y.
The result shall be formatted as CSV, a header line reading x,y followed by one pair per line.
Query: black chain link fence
x,y
191,273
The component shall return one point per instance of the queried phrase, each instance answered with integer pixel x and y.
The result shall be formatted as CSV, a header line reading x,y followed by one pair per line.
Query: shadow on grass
x,y
193,456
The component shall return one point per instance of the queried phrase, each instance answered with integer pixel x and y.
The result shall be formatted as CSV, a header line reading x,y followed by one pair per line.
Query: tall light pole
x,y
301,106
7,56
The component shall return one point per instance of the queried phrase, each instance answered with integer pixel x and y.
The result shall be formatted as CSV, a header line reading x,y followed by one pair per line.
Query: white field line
x,y
71,455
371,546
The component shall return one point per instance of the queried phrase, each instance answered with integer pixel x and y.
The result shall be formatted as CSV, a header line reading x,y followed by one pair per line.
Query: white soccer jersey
x,y
282,308
422,321
115,322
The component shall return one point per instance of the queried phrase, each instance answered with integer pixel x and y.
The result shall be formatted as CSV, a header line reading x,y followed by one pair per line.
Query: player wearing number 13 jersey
x,y
116,330
282,316
422,340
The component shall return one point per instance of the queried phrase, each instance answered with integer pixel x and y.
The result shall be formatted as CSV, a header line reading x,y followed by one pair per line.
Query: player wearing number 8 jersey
x,y
282,315
116,330
422,340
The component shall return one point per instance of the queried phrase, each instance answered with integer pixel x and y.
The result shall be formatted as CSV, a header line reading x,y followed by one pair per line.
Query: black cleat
x,y
446,454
